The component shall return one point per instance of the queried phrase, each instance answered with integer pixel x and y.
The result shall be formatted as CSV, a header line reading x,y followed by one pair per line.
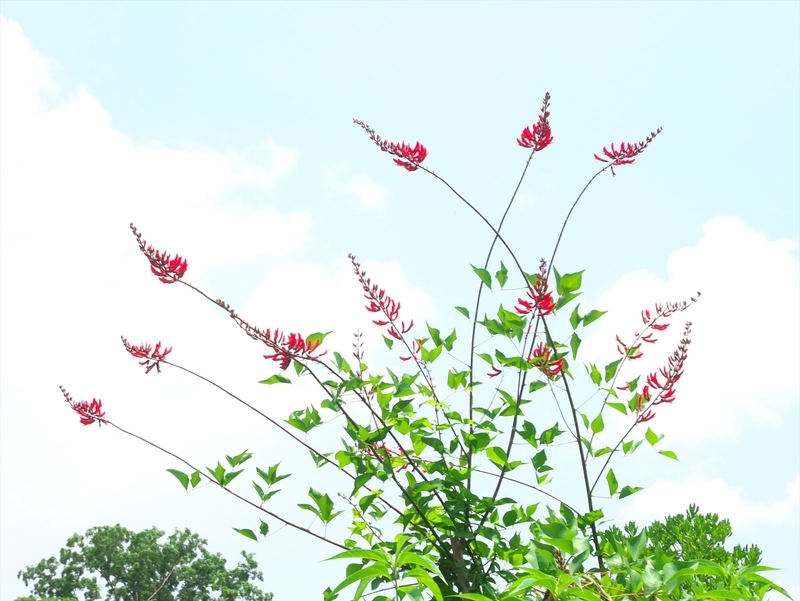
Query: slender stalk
x,y
581,451
225,488
477,309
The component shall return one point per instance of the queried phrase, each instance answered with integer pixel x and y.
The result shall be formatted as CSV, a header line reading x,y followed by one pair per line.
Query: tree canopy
x,y
113,563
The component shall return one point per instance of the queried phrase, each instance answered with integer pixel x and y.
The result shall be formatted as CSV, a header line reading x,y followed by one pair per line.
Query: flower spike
x,y
168,269
538,136
152,357
407,156
88,412
626,153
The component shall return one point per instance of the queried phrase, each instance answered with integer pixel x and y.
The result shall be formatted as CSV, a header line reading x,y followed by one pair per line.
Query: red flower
x,y
540,295
538,136
295,347
542,358
380,302
168,269
414,155
381,452
645,417
671,374
152,356
408,157
285,348
626,153
89,412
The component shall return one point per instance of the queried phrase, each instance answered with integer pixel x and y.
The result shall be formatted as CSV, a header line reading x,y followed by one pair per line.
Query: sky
x,y
224,132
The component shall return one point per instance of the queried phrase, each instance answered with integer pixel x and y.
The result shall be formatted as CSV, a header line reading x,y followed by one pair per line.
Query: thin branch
x,y
226,489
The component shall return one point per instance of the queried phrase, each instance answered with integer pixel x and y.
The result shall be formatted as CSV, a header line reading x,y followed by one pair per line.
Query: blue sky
x,y
225,133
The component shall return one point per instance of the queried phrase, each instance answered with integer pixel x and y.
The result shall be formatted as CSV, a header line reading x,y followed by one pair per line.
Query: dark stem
x,y
584,468
226,489
477,309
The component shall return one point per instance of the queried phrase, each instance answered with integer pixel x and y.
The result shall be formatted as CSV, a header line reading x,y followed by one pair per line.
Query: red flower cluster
x,y
380,302
89,412
285,347
408,157
632,351
538,136
152,356
539,293
293,347
168,269
382,452
671,374
542,357
413,155
626,153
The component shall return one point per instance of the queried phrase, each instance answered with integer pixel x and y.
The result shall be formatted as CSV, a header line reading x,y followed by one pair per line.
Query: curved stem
x,y
226,489
477,309
569,214
581,451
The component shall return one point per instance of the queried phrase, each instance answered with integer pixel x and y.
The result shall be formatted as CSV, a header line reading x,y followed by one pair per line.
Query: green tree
x,y
116,564
699,537
696,536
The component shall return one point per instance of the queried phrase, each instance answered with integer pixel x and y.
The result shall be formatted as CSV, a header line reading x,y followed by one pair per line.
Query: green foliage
x,y
698,537
427,466
115,564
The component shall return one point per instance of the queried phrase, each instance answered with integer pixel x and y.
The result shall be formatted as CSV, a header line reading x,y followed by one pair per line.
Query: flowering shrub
x,y
423,526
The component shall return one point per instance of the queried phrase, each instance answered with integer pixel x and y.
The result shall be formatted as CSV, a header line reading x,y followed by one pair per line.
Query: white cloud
x,y
714,495
368,194
742,365
73,281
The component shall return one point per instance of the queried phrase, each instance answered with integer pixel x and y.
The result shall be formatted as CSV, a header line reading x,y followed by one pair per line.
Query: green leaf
x,y
591,316
264,528
563,301
569,282
669,454
611,370
483,275
536,385
247,532
449,341
435,335
652,437
369,574
456,379
276,379
341,364
389,342
627,491
229,477
464,311
238,459
218,473
502,275
637,544
182,478
597,424
497,456
613,485
195,478
574,343
575,318
595,376
422,577
316,338
619,407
